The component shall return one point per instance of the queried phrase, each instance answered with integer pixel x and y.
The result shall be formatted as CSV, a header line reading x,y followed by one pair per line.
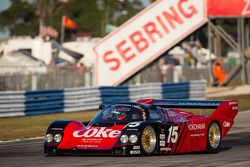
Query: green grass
x,y
244,103
33,126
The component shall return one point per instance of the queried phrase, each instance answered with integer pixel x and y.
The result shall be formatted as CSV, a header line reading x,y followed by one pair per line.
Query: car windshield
x,y
119,114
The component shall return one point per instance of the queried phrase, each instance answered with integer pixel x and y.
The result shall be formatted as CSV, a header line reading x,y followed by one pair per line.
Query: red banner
x,y
228,8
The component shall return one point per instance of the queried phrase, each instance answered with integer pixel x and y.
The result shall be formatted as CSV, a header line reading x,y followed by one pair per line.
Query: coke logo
x,y
97,132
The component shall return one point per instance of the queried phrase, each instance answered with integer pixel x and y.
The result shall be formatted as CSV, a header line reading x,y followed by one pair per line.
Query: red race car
x,y
144,127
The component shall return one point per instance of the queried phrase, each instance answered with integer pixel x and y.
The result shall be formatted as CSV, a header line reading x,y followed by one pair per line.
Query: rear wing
x,y
208,104
170,103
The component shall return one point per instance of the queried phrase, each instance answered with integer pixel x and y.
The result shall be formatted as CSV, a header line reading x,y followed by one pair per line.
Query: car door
x,y
174,134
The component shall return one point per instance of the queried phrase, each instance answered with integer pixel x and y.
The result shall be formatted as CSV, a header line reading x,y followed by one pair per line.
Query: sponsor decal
x,y
92,140
129,105
133,129
86,146
233,103
196,126
97,132
145,37
197,135
226,124
135,152
136,147
57,128
162,136
162,143
235,108
165,149
134,124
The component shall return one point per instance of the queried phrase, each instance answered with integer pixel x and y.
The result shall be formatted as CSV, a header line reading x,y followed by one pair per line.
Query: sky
x,y
145,2
4,4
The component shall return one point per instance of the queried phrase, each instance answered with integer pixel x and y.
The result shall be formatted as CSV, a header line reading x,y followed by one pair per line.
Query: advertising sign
x,y
228,8
145,37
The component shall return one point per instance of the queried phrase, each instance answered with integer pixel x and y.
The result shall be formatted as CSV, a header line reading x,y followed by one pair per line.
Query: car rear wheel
x,y
148,140
214,137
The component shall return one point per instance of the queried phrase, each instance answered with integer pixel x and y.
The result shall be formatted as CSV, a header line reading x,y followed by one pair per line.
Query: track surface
x,y
235,151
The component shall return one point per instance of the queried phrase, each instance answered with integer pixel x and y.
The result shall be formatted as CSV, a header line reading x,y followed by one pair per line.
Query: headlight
x,y
49,138
58,138
124,139
133,138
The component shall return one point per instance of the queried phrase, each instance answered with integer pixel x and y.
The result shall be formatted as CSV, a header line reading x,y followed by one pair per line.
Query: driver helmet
x,y
119,114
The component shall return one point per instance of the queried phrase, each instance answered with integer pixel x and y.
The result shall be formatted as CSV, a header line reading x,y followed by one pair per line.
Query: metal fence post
x,y
210,48
242,41
33,82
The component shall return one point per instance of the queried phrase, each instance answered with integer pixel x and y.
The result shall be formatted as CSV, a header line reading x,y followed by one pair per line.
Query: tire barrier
x,y
22,103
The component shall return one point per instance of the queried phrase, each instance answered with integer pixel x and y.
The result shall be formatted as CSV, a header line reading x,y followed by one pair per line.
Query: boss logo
x,y
135,152
97,132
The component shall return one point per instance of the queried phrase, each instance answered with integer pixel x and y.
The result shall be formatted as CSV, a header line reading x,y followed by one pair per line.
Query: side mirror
x,y
101,107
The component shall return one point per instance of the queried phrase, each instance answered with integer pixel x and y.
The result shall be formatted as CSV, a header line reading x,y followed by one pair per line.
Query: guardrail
x,y
21,103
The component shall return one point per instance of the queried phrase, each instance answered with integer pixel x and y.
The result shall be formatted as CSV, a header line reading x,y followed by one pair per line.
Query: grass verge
x,y
244,103
33,126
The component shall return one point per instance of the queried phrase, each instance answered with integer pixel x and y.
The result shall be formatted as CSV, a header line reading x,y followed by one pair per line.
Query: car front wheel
x,y
148,140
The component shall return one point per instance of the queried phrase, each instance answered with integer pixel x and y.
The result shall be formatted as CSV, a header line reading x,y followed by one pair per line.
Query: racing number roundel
x,y
173,134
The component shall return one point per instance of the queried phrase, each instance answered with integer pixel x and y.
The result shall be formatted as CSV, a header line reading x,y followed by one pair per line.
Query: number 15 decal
x,y
173,134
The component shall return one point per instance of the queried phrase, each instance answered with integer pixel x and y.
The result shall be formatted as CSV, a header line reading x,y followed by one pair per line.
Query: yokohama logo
x,y
97,132
196,126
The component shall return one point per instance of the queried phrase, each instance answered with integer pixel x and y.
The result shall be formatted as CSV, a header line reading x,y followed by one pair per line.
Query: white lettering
x,y
226,124
165,149
235,108
114,133
136,147
133,124
197,135
90,133
135,152
103,132
246,9
162,136
196,126
94,132
162,143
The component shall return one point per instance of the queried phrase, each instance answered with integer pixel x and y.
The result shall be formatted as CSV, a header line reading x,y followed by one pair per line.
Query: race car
x,y
144,127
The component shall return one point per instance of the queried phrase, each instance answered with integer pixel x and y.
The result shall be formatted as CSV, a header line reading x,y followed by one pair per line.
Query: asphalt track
x,y
235,151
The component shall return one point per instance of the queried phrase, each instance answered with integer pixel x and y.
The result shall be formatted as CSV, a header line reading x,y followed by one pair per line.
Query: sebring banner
x,y
145,37
228,8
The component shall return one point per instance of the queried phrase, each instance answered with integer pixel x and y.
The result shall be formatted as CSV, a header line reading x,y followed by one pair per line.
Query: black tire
x,y
148,140
213,137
